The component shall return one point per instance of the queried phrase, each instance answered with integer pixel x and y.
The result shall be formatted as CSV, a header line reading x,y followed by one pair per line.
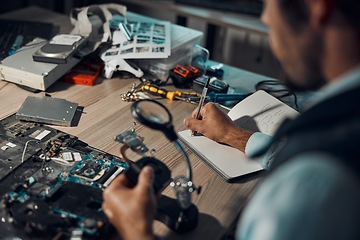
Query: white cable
x,y
59,160
26,144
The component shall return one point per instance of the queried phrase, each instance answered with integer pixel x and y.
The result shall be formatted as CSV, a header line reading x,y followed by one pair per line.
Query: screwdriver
x,y
188,95
159,91
185,96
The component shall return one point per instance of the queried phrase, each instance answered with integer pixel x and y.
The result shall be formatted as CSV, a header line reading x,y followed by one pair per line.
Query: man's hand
x,y
131,210
216,125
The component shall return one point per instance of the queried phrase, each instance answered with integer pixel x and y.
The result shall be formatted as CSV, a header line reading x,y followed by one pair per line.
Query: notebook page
x,y
258,112
224,159
261,112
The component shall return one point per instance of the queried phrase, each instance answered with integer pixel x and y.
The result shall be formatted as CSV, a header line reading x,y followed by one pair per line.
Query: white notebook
x,y
258,112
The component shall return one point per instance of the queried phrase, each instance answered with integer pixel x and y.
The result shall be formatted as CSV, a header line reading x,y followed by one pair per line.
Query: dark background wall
x,y
61,6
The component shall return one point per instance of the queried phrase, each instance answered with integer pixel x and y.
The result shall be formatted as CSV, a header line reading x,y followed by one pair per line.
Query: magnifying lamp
x,y
156,116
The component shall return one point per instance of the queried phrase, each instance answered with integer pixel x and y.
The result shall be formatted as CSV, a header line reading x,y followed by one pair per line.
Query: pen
x,y
202,99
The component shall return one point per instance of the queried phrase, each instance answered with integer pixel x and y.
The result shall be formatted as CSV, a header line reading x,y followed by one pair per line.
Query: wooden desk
x,y
106,115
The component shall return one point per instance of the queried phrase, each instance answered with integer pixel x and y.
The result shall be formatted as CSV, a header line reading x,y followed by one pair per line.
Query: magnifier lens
x,y
153,113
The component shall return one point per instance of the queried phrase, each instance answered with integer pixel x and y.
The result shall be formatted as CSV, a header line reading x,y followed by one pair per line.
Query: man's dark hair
x,y
351,9
297,13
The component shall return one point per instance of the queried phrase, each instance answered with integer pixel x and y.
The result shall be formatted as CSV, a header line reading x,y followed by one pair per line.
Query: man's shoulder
x,y
312,181
312,196
318,169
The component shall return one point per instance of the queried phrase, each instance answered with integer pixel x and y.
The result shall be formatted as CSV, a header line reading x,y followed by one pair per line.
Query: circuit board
x,y
51,183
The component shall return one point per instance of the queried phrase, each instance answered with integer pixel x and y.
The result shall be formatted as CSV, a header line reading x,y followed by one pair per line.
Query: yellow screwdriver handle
x,y
158,91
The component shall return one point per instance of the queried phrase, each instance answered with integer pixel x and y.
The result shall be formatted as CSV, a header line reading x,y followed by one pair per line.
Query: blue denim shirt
x,y
312,196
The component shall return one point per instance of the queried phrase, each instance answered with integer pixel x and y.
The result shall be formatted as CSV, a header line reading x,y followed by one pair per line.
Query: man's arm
x,y
216,125
131,209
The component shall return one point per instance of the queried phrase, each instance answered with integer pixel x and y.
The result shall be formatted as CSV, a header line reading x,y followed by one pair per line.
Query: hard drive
x,y
60,49
20,68
49,110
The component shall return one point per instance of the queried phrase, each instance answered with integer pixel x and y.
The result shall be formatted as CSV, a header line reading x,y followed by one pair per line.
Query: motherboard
x,y
51,183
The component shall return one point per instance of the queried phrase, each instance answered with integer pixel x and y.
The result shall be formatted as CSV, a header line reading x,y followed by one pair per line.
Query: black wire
x,y
279,93
158,82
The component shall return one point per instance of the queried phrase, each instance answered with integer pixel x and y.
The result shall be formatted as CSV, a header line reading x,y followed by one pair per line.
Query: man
x,y
312,191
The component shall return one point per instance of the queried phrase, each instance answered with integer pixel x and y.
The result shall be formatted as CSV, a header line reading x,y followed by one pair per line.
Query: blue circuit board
x,y
92,168
77,194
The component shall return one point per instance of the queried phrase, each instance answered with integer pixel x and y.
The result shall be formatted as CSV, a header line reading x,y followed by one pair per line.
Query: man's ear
x,y
319,11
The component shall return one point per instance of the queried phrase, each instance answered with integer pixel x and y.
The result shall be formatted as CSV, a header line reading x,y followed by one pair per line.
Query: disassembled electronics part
x,y
183,76
216,85
119,64
20,68
187,71
127,30
133,141
47,110
43,199
215,70
113,173
60,49
85,73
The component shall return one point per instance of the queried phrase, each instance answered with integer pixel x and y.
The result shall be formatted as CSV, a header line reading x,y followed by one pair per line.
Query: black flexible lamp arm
x,y
156,116
181,215
180,148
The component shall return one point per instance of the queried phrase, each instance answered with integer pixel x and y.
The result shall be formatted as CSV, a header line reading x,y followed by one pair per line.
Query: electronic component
x,y
67,156
119,64
77,156
94,168
215,70
69,205
131,139
128,31
91,171
47,110
59,49
187,71
20,68
113,173
216,85
43,199
182,76
85,73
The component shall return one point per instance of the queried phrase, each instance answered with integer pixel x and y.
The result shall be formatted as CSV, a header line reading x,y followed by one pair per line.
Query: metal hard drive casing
x,y
59,51
20,68
47,110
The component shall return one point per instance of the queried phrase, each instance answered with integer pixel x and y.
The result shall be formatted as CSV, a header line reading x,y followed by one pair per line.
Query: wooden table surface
x,y
106,115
